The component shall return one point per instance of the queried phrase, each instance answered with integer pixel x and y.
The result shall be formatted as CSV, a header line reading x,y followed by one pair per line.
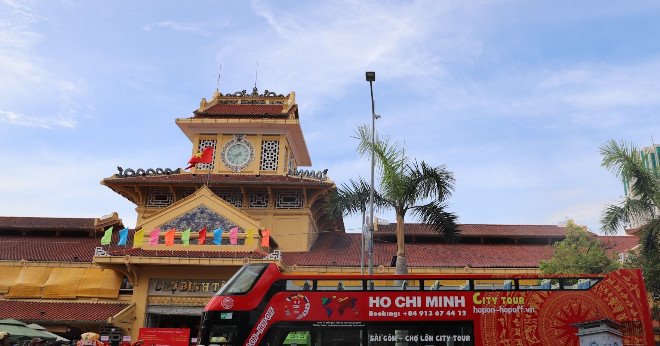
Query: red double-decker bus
x,y
261,306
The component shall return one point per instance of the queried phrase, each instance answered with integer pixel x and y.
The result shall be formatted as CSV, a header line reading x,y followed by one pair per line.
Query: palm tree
x,y
641,206
415,187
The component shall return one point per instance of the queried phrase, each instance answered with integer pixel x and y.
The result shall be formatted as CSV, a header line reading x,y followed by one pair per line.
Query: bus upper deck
x,y
260,305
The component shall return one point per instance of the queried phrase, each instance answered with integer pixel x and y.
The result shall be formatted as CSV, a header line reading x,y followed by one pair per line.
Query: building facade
x,y
255,200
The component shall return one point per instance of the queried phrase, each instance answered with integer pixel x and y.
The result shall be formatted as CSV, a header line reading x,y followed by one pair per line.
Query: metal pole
x,y
362,244
371,192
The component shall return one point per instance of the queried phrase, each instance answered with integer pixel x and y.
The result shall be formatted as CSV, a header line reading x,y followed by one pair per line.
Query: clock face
x,y
238,154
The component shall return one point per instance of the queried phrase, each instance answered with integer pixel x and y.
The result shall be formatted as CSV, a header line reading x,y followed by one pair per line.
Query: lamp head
x,y
371,76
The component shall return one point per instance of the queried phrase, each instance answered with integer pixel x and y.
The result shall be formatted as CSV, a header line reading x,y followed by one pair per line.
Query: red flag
x,y
202,236
265,238
205,156
169,237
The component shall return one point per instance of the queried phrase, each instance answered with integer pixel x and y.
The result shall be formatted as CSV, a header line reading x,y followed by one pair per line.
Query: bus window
x,y
580,284
442,285
222,335
465,286
410,285
243,280
298,285
492,284
339,285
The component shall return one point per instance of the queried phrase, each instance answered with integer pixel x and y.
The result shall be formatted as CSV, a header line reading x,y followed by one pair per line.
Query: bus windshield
x,y
243,280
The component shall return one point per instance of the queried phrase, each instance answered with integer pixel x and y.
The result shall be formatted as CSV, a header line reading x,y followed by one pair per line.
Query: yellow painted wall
x,y
140,292
256,141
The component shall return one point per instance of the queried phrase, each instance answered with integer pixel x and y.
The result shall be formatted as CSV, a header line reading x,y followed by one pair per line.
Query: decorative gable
x,y
202,209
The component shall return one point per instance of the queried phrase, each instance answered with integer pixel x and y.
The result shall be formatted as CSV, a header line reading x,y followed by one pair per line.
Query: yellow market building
x,y
257,199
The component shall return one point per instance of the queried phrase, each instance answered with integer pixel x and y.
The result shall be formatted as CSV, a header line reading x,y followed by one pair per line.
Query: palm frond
x,y
618,157
623,160
626,213
435,215
430,182
353,198
650,239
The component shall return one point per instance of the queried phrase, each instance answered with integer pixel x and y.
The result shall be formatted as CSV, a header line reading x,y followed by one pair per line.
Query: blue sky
x,y
514,97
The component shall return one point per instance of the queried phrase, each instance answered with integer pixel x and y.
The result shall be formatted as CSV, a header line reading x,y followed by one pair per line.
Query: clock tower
x,y
254,181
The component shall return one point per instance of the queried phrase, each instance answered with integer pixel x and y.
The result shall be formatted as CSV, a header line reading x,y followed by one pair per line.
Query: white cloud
x,y
199,29
333,44
28,83
30,121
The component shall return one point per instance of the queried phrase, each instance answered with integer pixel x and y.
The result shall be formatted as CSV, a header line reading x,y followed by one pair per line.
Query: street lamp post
x,y
371,77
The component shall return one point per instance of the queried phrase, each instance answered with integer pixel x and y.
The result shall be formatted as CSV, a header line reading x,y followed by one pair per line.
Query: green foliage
x,y
403,185
623,160
579,253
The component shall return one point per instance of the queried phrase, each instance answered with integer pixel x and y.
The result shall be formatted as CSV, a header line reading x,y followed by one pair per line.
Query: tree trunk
x,y
401,266
400,239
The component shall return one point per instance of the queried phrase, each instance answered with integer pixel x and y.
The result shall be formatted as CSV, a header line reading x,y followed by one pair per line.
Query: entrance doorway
x,y
175,321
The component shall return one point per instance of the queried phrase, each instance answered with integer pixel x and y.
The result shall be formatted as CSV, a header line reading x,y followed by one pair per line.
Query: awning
x,y
101,283
63,283
8,276
28,283
20,332
42,329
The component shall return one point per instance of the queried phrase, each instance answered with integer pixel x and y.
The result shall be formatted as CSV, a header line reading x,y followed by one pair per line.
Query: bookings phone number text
x,y
436,313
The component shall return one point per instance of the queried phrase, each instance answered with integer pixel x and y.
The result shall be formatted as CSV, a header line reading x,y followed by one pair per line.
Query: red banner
x,y
165,336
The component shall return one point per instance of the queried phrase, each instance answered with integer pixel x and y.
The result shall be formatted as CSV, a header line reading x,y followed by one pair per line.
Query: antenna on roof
x,y
256,74
219,73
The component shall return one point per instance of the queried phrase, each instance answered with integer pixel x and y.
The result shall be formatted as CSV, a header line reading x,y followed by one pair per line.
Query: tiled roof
x,y
38,311
479,230
81,249
242,110
344,250
46,223
619,243
49,248
221,179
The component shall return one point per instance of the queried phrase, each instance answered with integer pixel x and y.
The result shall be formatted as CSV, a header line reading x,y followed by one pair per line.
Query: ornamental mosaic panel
x,y
198,218
203,144
259,198
159,197
289,199
231,196
269,152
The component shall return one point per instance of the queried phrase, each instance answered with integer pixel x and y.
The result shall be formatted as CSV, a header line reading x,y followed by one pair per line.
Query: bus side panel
x,y
535,317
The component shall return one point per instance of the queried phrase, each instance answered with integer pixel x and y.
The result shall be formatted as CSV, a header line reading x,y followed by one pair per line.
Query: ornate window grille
x,y
289,199
187,191
259,198
203,144
231,196
159,197
269,152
